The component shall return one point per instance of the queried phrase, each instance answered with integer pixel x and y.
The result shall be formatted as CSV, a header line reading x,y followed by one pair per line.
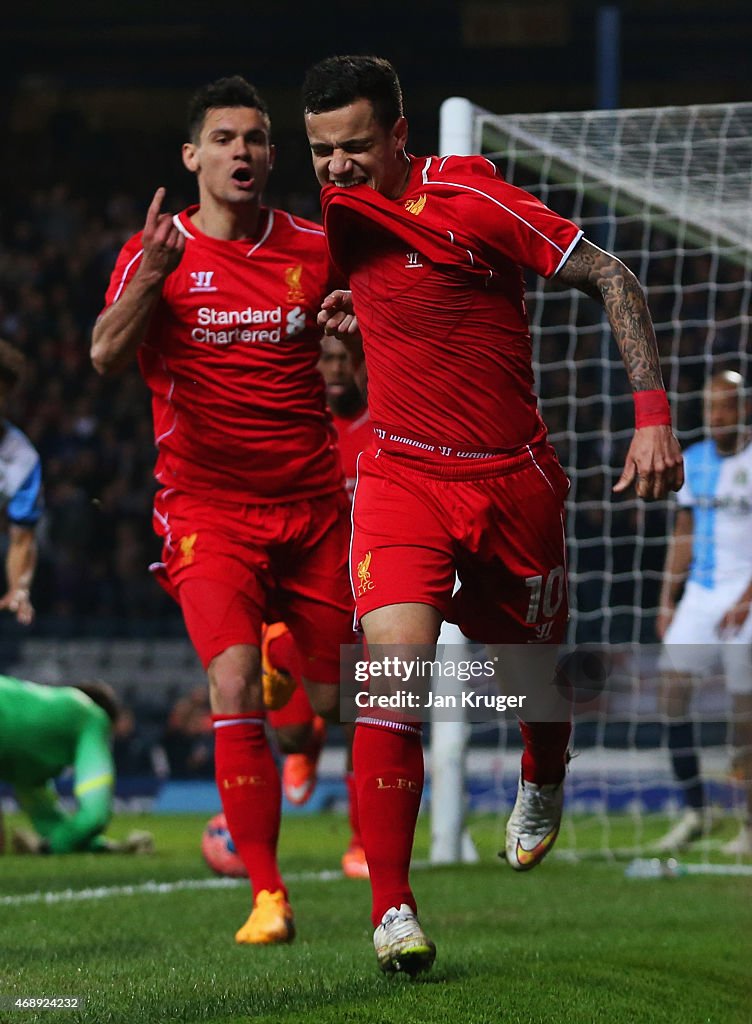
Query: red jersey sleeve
x,y
501,220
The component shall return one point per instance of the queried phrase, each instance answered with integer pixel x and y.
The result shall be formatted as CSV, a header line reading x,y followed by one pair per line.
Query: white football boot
x,y
533,824
401,944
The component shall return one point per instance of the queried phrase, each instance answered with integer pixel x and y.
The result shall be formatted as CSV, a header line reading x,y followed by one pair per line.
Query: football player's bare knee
x,y
406,632
324,698
402,624
291,739
675,694
235,680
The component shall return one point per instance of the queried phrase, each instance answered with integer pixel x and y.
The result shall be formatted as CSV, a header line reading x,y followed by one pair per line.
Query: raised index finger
x,y
154,207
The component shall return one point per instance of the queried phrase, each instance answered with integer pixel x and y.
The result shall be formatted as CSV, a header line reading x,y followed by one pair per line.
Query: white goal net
x,y
669,191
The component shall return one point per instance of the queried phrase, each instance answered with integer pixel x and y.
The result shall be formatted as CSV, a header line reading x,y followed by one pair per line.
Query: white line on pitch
x,y
153,888
163,888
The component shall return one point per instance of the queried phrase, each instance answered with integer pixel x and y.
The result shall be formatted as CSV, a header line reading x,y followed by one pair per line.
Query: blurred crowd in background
x,y
93,435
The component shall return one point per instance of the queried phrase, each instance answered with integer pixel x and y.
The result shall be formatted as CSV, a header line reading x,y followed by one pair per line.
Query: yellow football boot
x,y
271,920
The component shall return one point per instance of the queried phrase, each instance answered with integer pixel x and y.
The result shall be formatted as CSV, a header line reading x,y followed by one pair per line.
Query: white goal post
x,y
450,841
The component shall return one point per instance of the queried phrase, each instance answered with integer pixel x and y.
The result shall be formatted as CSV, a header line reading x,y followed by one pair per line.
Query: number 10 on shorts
x,y
547,596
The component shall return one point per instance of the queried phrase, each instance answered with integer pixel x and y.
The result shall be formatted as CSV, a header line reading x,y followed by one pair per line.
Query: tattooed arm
x,y
654,461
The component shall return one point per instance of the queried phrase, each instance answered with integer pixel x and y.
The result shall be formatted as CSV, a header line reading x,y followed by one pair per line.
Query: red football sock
x,y
544,758
388,768
251,794
352,810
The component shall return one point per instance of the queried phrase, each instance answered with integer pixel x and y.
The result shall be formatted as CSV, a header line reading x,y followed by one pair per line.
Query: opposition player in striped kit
x,y
460,477
709,563
20,494
219,305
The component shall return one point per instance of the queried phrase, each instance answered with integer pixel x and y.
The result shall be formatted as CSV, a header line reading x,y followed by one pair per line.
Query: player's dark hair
x,y
11,364
103,695
338,81
234,91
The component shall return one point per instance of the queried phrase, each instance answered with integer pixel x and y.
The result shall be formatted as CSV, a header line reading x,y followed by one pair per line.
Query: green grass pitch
x,y
564,944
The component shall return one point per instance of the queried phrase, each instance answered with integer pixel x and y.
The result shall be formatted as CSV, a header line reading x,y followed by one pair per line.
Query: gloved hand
x,y
135,842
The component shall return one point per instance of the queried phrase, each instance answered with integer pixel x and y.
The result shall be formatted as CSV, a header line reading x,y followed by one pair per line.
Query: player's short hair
x,y
234,91
11,364
103,695
338,81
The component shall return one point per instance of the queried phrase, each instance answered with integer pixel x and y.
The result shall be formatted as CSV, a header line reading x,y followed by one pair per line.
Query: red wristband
x,y
651,409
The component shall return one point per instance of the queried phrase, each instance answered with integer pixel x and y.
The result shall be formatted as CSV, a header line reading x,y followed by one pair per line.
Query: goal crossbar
x,y
688,137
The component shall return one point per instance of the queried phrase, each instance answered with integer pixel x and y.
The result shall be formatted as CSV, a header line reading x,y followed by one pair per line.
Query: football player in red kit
x,y
345,396
219,304
460,478
347,403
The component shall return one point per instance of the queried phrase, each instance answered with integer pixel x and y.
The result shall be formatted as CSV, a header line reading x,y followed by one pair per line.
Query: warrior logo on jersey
x,y
415,206
413,259
292,279
187,550
202,281
364,575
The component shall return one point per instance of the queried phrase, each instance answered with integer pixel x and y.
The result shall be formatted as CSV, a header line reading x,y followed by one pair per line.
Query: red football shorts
x,y
232,567
497,522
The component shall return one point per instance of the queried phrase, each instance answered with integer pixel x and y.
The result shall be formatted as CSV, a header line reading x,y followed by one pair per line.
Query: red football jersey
x,y
354,434
230,357
438,289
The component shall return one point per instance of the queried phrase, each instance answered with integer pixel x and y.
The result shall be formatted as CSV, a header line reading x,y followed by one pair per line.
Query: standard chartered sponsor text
x,y
249,325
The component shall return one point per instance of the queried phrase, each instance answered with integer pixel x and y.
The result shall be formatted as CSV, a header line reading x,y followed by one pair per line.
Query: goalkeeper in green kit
x,y
43,731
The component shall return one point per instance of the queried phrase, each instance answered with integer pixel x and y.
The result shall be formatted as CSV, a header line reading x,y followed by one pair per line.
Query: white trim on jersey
x,y
267,232
128,266
568,253
181,227
168,397
167,531
480,192
167,432
299,227
469,253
